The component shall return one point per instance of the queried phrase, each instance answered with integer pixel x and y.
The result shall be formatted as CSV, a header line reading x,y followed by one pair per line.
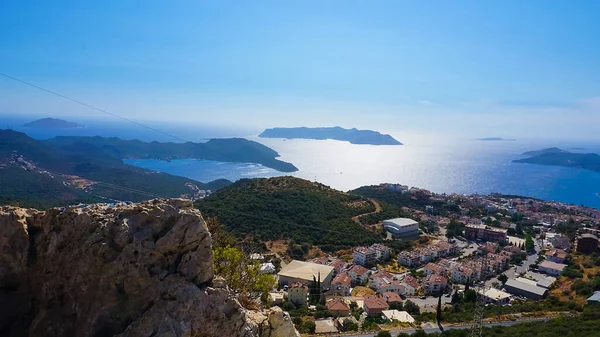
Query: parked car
x,y
423,297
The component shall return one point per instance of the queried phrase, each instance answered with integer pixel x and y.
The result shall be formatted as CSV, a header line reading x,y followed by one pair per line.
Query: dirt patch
x,y
362,291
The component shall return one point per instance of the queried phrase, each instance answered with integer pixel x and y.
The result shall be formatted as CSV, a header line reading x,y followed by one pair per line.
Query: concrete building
x,y
369,256
306,272
556,255
551,268
359,274
298,293
401,316
485,233
392,298
402,227
276,297
363,256
496,296
435,284
525,289
587,243
338,308
560,242
411,285
341,284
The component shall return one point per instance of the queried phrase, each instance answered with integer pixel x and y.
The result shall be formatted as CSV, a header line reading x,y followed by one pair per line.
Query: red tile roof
x,y
411,281
337,305
375,302
343,279
359,270
299,285
392,297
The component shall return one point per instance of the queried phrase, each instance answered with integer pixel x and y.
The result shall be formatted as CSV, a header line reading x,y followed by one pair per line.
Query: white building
x,y
306,272
496,296
551,268
402,227
363,256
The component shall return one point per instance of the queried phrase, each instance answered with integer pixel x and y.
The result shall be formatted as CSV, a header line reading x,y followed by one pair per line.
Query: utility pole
x,y
477,327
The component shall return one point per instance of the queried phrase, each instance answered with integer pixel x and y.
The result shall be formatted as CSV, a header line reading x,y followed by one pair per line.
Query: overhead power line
x,y
90,106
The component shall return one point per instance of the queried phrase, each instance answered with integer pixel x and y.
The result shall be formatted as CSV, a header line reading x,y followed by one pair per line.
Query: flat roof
x,y
496,294
552,265
401,316
530,288
401,222
305,270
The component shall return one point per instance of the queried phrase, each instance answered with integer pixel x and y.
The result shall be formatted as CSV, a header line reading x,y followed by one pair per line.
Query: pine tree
x,y
467,286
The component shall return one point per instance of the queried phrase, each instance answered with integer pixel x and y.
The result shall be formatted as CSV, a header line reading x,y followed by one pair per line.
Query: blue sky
x,y
489,68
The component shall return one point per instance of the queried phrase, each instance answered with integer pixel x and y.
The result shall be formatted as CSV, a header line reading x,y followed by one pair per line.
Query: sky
x,y
478,68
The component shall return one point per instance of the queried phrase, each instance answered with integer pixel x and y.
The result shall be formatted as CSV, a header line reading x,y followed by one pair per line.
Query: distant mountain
x,y
236,150
544,151
498,139
35,174
287,207
557,157
354,136
52,123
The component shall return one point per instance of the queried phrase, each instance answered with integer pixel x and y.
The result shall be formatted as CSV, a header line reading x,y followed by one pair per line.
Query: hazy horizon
x,y
469,69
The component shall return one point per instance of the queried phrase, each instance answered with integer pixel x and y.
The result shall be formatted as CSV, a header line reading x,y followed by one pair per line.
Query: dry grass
x,y
393,267
362,291
563,291
314,252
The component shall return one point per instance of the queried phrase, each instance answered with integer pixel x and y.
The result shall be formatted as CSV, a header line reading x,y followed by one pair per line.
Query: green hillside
x,y
229,150
415,201
287,207
34,174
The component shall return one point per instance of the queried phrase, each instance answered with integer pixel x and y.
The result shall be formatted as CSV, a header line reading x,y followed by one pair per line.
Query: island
x,y
497,139
559,157
52,123
544,151
354,136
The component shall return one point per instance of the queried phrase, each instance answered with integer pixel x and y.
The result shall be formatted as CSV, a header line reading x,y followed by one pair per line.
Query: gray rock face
x,y
128,270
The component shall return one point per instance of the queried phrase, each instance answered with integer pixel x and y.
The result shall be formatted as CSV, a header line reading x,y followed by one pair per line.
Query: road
x,y
377,210
437,329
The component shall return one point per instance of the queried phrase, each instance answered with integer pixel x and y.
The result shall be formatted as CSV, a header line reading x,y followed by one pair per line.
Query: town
x,y
508,251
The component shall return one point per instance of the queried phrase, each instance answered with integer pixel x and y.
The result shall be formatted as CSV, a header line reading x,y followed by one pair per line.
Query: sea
x,y
442,164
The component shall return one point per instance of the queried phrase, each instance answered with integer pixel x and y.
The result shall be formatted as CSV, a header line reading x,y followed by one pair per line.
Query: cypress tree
x,y
439,309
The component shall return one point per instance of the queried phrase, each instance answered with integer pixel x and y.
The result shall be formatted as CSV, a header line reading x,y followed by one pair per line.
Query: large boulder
x,y
104,270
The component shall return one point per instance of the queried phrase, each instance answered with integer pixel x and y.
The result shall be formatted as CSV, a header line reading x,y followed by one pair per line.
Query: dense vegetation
x,y
586,324
112,179
388,211
229,150
405,199
38,190
287,207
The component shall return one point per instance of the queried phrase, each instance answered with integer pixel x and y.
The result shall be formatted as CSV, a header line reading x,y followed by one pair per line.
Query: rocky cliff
x,y
126,270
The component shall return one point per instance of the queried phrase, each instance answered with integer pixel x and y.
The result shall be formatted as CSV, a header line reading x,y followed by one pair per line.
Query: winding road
x,y
377,210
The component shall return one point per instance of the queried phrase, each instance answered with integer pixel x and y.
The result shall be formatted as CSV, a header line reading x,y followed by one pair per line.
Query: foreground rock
x,y
128,270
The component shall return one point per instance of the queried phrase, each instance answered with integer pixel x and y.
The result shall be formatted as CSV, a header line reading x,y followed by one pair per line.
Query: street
x,y
437,329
